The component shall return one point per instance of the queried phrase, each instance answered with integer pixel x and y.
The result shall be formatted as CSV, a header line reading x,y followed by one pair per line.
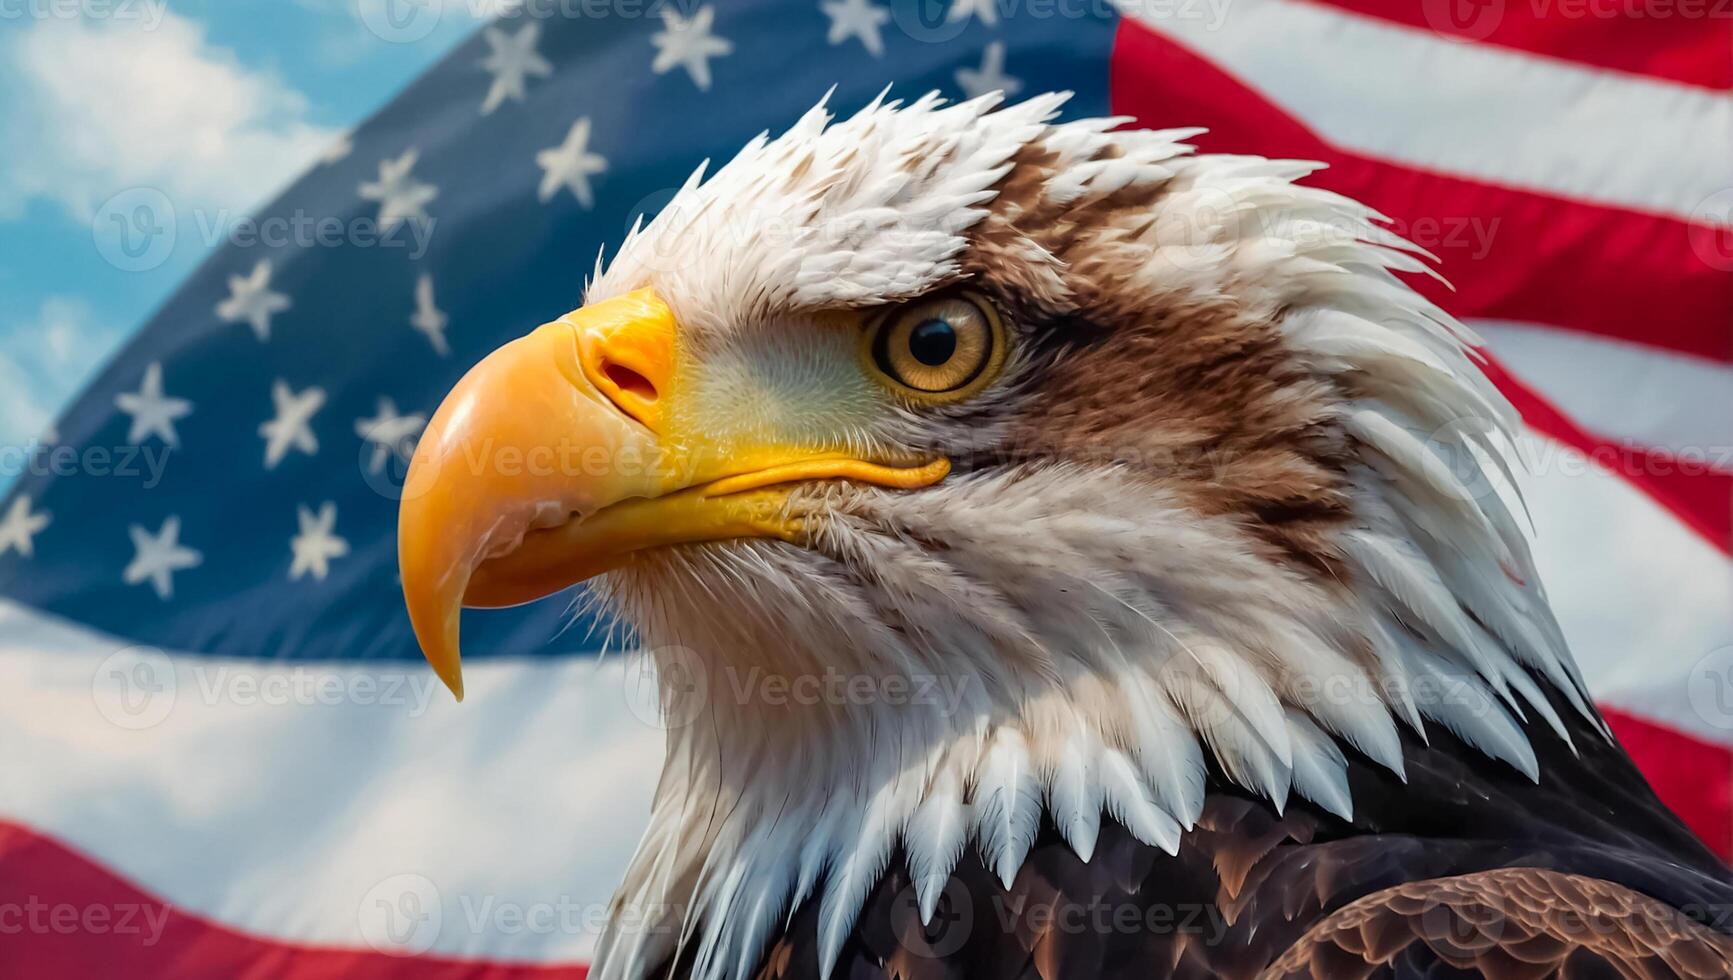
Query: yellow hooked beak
x,y
565,453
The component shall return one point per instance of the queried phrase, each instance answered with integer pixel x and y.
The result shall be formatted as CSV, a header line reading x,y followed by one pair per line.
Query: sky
x,y
211,105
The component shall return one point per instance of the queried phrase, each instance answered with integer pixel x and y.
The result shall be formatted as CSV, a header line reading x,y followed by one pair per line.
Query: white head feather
x,y
1088,638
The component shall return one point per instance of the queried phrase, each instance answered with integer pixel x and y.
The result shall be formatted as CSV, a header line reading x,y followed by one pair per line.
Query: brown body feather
x,y
1510,924
1460,873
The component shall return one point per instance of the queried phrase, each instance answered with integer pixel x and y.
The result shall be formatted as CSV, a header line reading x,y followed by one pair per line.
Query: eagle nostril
x,y
628,380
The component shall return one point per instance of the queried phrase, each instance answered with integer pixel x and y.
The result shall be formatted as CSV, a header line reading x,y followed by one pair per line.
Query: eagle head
x,y
990,470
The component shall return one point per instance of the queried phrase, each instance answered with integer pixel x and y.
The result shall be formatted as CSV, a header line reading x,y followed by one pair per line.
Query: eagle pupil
x,y
933,342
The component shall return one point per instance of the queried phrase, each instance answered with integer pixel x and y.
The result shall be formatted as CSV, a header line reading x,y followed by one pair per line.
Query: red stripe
x,y
1692,489
1513,254
64,916
1686,41
1693,777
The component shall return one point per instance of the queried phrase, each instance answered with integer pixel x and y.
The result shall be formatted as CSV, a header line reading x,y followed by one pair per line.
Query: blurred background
x,y
248,245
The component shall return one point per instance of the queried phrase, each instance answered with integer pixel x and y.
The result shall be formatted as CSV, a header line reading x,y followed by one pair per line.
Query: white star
x,y
512,60
252,302
857,18
153,413
157,557
401,197
289,429
990,77
316,545
689,44
20,527
338,150
571,164
429,318
390,433
963,9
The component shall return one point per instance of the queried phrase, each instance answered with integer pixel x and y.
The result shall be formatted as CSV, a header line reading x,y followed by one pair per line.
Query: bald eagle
x,y
1065,554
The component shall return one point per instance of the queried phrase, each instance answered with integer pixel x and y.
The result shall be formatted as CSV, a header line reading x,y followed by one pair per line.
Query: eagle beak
x,y
560,457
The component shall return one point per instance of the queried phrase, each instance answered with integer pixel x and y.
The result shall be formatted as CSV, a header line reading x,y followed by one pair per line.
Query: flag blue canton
x,y
278,390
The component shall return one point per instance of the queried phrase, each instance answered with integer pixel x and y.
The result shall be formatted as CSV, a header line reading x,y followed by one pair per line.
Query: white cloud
x,y
43,362
99,107
23,415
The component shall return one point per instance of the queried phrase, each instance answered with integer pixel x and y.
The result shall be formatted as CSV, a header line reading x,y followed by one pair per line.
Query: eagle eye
x,y
939,349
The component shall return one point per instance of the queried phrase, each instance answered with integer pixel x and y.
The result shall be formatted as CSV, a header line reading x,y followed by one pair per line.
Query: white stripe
x,y
1475,110
315,813
1628,392
1642,598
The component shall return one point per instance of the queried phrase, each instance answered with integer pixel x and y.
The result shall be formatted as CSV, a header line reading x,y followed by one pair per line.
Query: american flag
x,y
225,755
